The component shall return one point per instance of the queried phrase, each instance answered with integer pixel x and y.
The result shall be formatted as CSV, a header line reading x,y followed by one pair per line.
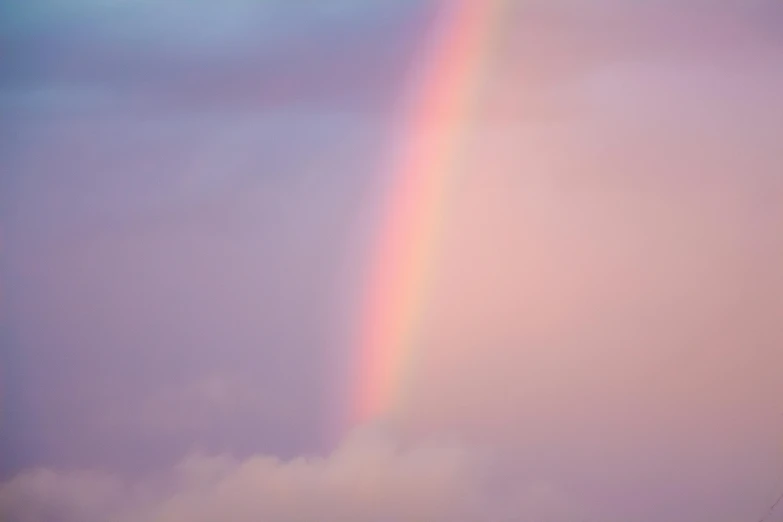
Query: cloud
x,y
188,26
43,494
370,477
196,55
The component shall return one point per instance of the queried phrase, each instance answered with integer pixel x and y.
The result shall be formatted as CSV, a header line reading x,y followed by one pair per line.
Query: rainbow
x,y
442,96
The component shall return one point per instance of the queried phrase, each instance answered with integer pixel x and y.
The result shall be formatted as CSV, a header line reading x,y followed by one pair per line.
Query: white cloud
x,y
369,478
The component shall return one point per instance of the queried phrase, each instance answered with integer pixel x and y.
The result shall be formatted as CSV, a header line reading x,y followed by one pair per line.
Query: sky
x,y
186,192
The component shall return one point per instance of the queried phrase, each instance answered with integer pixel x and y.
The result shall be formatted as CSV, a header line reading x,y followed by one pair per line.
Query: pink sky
x,y
184,204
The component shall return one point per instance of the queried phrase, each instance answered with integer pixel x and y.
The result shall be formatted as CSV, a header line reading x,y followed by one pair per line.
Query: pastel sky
x,y
186,189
